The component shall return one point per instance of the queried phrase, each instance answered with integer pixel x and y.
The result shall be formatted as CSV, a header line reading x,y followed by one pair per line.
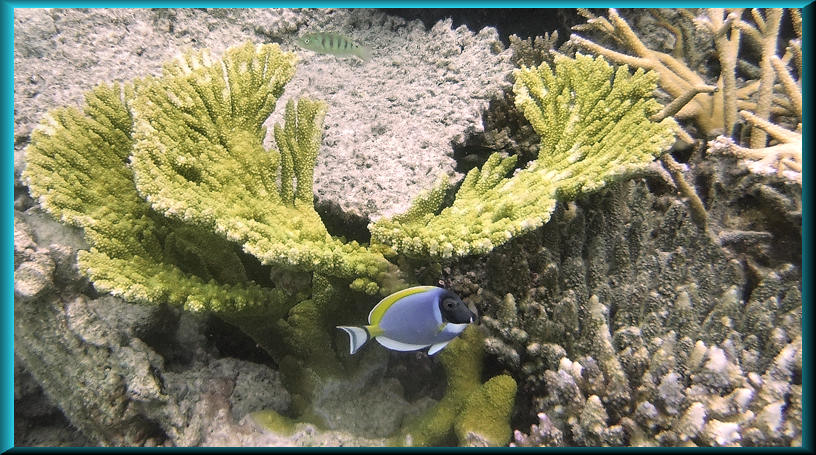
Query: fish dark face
x,y
454,310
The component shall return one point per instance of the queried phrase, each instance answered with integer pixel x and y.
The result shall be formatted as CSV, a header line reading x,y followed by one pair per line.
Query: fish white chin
x,y
457,327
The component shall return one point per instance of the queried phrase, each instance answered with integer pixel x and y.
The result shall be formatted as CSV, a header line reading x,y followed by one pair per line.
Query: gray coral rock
x,y
393,121
39,422
367,404
90,357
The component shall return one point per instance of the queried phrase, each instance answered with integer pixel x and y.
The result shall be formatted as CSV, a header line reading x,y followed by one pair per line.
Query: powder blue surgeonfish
x,y
412,319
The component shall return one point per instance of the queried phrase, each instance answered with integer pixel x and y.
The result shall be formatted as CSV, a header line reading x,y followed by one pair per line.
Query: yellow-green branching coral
x,y
595,127
198,157
594,121
466,401
299,143
485,418
77,169
463,362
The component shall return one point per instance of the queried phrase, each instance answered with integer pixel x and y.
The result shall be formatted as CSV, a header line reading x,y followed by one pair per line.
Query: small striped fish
x,y
332,43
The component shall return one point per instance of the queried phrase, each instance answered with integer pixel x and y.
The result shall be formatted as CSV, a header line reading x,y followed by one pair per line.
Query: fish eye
x,y
306,40
449,304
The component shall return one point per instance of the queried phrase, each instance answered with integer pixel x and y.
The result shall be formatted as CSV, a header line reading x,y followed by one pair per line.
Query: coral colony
x,y
612,307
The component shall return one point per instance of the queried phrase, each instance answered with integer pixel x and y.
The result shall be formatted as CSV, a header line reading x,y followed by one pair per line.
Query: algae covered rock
x,y
121,373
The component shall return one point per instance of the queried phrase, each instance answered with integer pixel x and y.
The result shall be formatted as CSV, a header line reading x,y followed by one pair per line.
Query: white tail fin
x,y
357,337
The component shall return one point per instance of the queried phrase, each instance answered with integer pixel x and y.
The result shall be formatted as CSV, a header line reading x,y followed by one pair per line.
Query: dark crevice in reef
x,y
419,374
255,271
342,224
658,187
682,154
160,335
472,154
524,22
38,422
149,430
752,278
231,342
505,130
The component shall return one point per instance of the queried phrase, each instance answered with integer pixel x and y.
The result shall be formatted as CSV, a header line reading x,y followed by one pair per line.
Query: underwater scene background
x,y
202,198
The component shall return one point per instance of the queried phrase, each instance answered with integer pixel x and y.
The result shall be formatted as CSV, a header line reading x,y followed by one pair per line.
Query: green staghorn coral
x,y
485,418
473,412
198,157
76,167
595,128
168,179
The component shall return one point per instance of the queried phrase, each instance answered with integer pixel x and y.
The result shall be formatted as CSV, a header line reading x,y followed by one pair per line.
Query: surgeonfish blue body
x,y
413,319
332,43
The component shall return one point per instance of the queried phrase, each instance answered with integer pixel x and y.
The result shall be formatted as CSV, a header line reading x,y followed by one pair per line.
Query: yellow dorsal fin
x,y
379,310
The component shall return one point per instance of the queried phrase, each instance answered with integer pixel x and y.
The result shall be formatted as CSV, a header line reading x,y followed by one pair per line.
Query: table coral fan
x,y
595,128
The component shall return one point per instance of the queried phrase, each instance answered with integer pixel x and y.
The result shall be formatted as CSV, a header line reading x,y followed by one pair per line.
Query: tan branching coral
x,y
785,151
783,158
770,104
676,78
713,107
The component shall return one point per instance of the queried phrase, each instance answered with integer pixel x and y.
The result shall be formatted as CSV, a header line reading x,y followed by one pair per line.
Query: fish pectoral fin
x,y
437,347
399,345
